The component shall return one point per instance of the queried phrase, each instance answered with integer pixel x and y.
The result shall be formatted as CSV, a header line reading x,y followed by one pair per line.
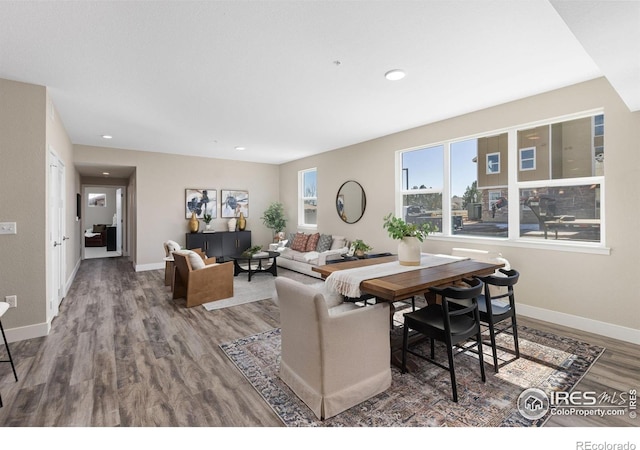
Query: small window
x,y
493,163
307,198
528,158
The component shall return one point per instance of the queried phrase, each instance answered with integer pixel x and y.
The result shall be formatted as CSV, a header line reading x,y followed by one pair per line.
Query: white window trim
x,y
490,172
520,159
302,198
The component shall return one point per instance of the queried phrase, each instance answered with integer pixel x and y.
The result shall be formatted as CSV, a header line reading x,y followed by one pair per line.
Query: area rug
x,y
261,287
422,397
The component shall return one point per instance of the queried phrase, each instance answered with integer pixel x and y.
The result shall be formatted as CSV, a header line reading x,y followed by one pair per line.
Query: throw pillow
x,y
195,260
172,246
300,242
290,240
312,242
338,242
324,243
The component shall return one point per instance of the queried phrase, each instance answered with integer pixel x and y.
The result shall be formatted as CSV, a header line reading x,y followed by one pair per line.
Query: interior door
x,y
56,235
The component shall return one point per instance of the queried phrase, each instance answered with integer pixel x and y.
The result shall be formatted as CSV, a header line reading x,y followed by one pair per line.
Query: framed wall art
x,y
99,200
201,201
232,203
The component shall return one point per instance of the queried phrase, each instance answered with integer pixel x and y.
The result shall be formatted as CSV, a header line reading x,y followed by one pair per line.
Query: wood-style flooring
x,y
122,353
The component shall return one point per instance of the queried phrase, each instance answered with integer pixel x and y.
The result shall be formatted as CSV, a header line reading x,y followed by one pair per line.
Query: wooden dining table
x,y
401,286
405,285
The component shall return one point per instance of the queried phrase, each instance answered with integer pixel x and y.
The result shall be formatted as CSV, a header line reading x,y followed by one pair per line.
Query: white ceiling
x,y
200,78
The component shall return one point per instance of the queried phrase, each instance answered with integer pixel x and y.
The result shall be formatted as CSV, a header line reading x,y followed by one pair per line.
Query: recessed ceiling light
x,y
240,148
107,136
105,173
394,75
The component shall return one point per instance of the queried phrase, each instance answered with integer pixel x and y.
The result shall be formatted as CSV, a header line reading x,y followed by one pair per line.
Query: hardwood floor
x,y
122,353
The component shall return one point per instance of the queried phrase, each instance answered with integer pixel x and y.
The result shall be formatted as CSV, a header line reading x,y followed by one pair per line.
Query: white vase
x,y
232,224
409,251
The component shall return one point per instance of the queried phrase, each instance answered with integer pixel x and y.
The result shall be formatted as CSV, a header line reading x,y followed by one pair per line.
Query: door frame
x,y
56,233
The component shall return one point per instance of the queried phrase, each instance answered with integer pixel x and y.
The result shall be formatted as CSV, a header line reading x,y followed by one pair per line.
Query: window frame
x,y
302,198
490,172
521,159
514,186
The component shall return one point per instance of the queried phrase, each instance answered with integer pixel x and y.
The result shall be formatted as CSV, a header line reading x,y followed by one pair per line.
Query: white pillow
x,y
172,246
338,242
195,260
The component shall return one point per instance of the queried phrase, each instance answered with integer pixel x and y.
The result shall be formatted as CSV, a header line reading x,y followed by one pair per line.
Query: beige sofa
x,y
304,261
335,355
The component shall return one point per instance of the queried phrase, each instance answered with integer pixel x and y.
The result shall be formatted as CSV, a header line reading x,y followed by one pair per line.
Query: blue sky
x,y
426,166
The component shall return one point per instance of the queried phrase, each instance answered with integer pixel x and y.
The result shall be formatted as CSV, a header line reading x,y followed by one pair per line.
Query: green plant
x,y
398,228
207,218
359,245
273,217
252,250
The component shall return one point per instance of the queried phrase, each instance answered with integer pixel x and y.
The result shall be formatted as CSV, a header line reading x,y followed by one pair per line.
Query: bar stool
x,y
3,309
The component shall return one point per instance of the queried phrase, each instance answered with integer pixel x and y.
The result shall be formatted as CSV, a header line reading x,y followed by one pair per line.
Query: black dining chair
x,y
454,321
494,309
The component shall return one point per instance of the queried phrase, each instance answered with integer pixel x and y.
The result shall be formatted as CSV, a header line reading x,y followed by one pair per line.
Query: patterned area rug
x,y
422,397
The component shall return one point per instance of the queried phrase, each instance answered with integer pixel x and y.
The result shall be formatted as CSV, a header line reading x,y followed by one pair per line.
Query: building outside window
x,y
528,158
493,163
554,189
307,198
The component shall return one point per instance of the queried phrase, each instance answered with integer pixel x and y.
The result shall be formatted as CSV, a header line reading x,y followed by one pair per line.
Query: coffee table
x,y
258,263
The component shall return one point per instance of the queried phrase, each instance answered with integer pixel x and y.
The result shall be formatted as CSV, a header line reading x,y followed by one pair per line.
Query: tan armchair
x,y
336,357
199,279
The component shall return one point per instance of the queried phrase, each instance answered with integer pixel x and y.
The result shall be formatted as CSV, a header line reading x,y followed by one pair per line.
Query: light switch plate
x,y
8,228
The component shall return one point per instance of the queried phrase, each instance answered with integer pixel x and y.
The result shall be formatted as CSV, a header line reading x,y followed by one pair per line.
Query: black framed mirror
x,y
351,201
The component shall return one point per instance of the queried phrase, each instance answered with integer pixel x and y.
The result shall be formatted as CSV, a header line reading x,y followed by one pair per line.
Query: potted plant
x,y
251,251
360,247
410,236
207,218
274,218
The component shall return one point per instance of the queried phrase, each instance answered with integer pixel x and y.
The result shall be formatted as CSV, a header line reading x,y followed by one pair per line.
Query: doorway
x,y
103,221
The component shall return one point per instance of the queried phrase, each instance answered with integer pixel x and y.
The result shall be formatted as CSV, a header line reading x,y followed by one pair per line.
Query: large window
x,y
553,187
307,198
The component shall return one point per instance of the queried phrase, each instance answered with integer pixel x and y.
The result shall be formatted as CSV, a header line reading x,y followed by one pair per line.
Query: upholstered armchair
x,y
199,279
334,355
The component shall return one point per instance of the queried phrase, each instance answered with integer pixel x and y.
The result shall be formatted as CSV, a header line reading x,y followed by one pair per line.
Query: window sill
x,y
547,244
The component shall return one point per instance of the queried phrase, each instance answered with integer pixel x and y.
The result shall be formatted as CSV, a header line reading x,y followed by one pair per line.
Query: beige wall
x,y
585,289
159,191
29,127
589,290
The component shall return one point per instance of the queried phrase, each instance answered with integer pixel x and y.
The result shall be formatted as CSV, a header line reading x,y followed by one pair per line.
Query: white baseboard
x,y
581,323
144,267
28,332
72,277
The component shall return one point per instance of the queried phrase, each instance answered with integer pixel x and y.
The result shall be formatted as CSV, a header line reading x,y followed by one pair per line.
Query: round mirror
x,y
351,201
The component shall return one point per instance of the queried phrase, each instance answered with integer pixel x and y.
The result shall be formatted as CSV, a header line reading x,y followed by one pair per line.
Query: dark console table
x,y
220,243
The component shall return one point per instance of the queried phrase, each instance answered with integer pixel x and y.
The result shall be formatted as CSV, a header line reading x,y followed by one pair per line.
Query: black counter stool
x,y
3,309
